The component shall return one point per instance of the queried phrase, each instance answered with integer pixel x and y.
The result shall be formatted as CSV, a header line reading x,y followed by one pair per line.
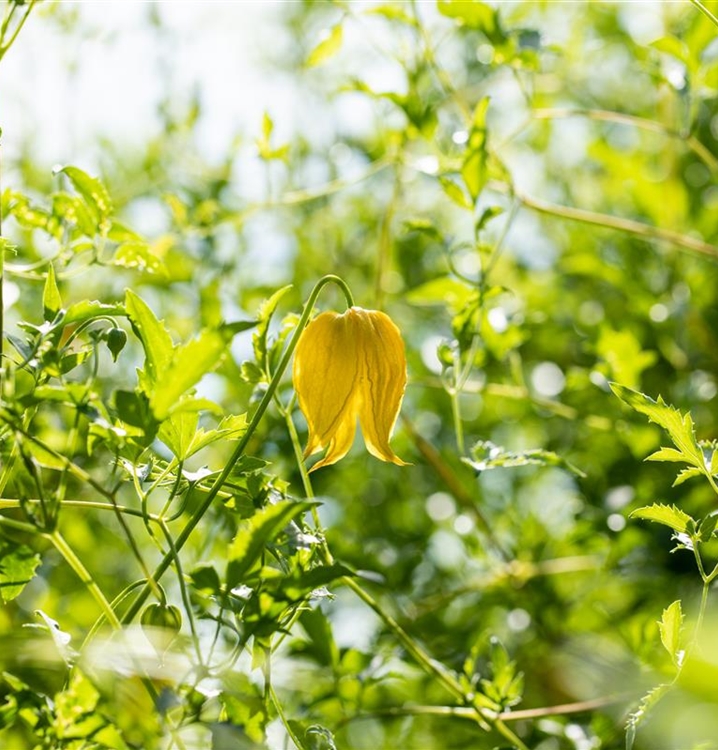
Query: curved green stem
x,y
702,8
68,554
199,512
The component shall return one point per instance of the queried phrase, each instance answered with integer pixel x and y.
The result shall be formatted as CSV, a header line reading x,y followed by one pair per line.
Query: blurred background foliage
x,y
529,190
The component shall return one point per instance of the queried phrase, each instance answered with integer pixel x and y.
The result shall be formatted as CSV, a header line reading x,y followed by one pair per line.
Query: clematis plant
x,y
350,367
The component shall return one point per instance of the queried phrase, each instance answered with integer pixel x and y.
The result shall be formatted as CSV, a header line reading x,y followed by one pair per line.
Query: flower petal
x,y
383,381
325,374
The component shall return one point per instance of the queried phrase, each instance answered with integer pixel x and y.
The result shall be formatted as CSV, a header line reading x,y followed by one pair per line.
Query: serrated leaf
x,y
186,367
678,426
51,300
328,47
156,340
647,703
486,455
669,627
255,533
17,569
666,454
182,436
668,515
686,474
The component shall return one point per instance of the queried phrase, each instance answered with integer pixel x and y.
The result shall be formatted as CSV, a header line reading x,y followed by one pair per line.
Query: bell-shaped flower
x,y
348,367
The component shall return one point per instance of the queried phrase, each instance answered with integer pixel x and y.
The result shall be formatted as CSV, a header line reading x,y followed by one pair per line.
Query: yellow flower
x,y
348,367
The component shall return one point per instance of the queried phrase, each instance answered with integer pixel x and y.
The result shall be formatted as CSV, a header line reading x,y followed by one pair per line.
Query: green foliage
x,y
528,190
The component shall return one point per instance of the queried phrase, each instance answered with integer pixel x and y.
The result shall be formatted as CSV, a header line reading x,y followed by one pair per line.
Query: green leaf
x,y
686,474
392,11
636,718
666,454
474,170
94,193
256,532
670,626
677,425
178,431
89,309
668,515
474,14
707,527
17,569
328,47
322,645
182,436
138,256
672,46
455,192
205,578
43,455
486,455
319,738
624,355
155,338
51,300
185,369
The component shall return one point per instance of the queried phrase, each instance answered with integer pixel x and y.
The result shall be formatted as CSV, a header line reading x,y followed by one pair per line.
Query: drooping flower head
x,y
348,367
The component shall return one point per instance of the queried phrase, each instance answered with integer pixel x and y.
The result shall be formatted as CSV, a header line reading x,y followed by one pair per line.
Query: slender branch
x,y
5,46
630,226
461,712
621,118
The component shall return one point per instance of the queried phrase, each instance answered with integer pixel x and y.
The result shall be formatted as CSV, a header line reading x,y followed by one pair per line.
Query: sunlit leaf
x,y
51,300
328,47
668,515
17,568
670,626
